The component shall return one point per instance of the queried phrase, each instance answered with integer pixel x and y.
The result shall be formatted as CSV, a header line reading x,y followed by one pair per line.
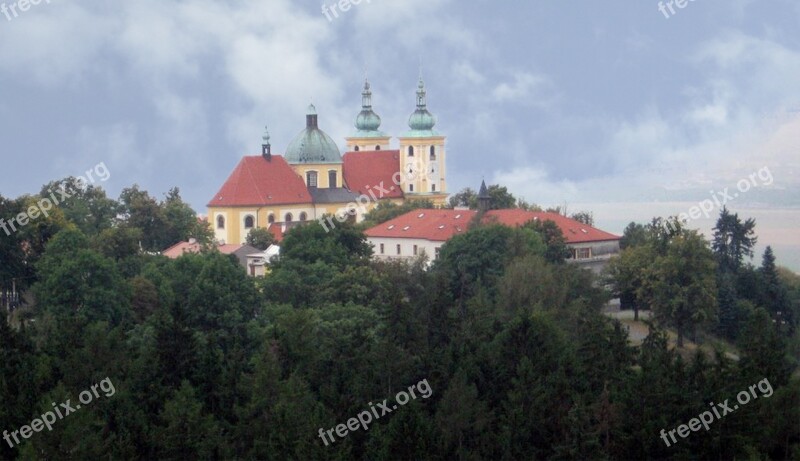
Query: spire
x,y
266,147
367,122
421,121
422,103
484,199
366,96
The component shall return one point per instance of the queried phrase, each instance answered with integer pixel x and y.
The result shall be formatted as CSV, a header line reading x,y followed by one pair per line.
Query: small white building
x,y
257,263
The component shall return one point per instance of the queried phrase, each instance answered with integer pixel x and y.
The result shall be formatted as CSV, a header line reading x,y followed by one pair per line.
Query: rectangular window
x,y
433,187
311,179
415,250
398,249
381,248
584,253
332,180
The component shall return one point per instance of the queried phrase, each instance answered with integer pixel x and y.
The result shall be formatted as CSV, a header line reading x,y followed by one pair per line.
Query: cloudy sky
x,y
609,106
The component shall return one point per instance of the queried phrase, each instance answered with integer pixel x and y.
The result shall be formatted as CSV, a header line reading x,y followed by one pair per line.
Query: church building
x,y
313,179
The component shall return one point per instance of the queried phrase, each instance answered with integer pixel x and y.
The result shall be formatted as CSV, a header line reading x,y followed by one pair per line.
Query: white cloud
x,y
524,87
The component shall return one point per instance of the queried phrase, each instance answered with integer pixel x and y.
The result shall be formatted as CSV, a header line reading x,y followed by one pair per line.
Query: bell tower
x,y
423,154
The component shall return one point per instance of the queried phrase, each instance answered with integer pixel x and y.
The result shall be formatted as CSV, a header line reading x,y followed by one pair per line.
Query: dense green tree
x,y
774,296
684,286
557,251
462,419
261,238
87,206
11,252
18,383
634,235
163,224
187,431
763,350
475,258
78,283
630,276
118,243
733,240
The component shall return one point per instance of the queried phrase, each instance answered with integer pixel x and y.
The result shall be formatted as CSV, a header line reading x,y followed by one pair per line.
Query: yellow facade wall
x,y
322,170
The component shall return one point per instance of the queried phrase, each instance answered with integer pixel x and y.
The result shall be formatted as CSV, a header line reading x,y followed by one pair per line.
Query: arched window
x,y
303,216
356,149
378,147
433,152
311,179
410,151
288,217
220,222
249,222
332,180
271,218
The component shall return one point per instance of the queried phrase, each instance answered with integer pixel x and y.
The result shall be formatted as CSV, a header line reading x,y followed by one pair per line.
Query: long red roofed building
x,y
425,230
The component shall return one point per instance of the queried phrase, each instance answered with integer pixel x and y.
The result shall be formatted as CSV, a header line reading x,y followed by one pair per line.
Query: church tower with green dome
x,y
368,136
315,156
422,154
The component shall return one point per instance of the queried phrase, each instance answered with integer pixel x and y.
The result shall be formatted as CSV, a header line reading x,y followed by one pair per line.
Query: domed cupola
x,y
312,145
421,121
368,122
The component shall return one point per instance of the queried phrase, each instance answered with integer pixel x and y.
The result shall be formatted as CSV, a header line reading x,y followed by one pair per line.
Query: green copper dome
x,y
368,122
421,121
313,145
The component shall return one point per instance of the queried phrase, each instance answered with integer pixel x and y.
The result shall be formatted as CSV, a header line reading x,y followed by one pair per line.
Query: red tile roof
x,y
441,225
370,172
436,225
257,182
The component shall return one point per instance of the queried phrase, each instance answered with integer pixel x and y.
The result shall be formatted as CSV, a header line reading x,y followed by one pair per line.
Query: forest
x,y
520,360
